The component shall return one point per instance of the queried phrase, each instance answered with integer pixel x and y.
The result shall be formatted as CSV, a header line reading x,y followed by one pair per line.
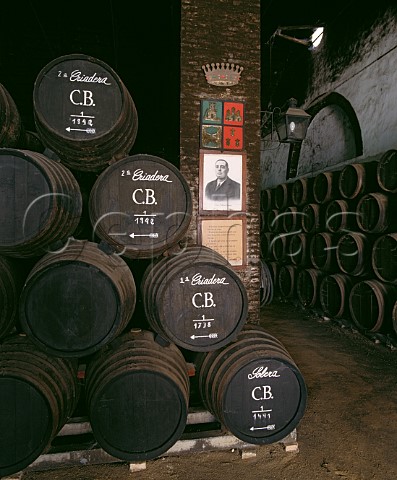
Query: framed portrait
x,y
226,236
222,182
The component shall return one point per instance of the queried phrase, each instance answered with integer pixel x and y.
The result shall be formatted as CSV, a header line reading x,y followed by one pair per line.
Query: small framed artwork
x,y
233,138
226,236
211,112
211,136
222,182
233,113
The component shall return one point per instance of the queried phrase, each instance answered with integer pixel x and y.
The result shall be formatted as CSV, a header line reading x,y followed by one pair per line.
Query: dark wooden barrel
x,y
312,218
38,395
83,112
77,300
141,206
266,242
325,186
194,299
371,303
340,216
394,318
40,203
273,220
137,396
282,195
334,294
387,171
323,251
254,387
307,286
11,127
357,179
376,213
302,191
353,253
279,247
287,280
266,199
299,249
274,269
292,220
10,287
384,257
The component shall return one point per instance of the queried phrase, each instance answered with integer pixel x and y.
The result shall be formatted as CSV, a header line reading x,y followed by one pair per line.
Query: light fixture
x,y
292,124
312,42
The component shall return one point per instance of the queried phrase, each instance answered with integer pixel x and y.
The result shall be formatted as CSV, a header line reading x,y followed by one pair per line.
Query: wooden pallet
x,y
76,446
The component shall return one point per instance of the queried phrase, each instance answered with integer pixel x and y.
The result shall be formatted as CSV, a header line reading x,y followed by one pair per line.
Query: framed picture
x,y
226,236
222,182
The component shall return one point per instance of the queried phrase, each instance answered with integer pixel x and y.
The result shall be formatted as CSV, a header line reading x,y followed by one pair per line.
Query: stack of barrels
x,y
330,241
89,233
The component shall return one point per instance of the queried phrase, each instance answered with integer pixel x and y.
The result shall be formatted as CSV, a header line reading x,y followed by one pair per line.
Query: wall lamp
x,y
291,123
312,42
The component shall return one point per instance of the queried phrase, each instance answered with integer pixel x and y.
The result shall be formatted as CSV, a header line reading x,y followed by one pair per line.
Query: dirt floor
x,y
349,430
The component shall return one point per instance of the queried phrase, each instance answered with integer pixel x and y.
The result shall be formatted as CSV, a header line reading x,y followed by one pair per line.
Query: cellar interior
x,y
94,337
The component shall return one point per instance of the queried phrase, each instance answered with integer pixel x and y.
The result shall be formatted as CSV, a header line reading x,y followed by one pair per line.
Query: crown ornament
x,y
222,74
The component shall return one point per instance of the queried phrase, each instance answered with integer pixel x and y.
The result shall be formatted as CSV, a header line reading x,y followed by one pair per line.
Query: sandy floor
x,y
349,430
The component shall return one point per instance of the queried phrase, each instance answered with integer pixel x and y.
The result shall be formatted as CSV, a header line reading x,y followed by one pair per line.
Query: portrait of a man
x,y
222,182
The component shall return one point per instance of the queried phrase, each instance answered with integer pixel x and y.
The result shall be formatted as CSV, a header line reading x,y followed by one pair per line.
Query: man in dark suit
x,y
222,188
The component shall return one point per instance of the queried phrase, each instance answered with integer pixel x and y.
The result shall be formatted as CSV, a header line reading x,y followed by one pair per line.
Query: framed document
x,y
222,182
226,236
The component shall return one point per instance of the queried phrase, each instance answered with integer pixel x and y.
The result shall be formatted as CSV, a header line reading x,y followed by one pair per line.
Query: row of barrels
x,y
352,253
330,242
74,301
137,394
369,303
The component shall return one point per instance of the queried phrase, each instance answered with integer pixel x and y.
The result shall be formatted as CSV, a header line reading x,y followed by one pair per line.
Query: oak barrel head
x,y
141,206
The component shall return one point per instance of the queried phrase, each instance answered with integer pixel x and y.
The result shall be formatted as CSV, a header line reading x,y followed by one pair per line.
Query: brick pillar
x,y
223,31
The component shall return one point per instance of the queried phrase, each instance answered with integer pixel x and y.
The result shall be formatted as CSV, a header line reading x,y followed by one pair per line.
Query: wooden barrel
x,y
371,303
273,220
384,257
274,269
325,186
83,112
279,247
77,300
299,249
287,280
137,396
282,195
357,179
38,395
266,242
307,286
394,318
302,191
266,199
11,128
353,253
312,218
194,299
40,203
141,206
254,387
376,213
292,220
10,287
334,294
387,171
322,251
340,216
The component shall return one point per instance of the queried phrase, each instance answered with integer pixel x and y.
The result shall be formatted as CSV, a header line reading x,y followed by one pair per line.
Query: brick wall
x,y
223,31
